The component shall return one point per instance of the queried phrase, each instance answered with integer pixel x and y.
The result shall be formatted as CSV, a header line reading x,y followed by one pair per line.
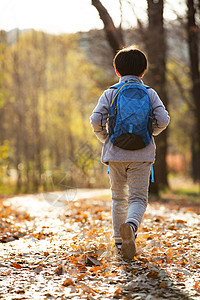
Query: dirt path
x,y
59,246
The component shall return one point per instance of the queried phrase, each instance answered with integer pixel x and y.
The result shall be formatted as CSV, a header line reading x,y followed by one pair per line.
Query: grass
x,y
182,190
7,190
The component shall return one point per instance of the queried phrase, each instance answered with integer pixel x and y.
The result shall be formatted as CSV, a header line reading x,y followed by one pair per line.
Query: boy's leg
x,y
138,182
138,174
119,188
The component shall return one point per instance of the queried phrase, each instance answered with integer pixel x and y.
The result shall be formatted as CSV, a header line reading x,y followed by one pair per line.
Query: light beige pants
x,y
129,186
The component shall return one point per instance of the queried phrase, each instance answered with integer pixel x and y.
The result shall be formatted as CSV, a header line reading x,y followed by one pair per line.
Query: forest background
x,y
50,83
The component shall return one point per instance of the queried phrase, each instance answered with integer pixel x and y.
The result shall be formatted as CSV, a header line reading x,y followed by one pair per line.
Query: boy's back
x,y
128,168
99,121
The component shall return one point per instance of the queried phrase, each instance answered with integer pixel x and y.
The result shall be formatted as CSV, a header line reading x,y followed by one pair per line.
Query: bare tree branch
x,y
114,35
139,22
181,89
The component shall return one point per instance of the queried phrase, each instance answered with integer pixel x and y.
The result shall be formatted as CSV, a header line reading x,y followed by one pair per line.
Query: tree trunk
x,y
3,46
37,141
113,34
19,113
156,76
193,32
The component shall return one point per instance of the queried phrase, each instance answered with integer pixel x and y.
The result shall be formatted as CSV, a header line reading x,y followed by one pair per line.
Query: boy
x,y
129,169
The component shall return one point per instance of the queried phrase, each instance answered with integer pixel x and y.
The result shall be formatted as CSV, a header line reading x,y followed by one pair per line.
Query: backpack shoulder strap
x,y
138,83
116,86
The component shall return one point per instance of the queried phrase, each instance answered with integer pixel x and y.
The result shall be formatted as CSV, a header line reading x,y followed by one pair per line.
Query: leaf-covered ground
x,y
59,246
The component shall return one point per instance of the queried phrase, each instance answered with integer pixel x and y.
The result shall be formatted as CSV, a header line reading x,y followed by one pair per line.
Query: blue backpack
x,y
130,116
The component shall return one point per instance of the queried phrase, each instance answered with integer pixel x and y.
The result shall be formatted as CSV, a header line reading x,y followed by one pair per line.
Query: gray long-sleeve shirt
x,y
99,119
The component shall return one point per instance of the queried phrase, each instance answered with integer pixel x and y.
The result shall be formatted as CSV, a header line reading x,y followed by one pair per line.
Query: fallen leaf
x,y
59,270
90,261
95,269
152,274
118,291
80,277
68,282
162,284
16,266
181,221
196,286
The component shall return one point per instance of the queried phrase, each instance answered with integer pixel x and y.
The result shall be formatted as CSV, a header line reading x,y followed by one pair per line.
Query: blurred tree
x,y
3,87
157,79
193,45
18,111
51,90
181,108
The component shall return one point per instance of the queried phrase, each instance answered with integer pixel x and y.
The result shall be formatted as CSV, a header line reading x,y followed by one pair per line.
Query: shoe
x,y
118,247
128,249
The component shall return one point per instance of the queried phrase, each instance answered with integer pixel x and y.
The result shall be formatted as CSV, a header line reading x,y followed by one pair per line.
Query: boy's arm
x,y
99,116
161,118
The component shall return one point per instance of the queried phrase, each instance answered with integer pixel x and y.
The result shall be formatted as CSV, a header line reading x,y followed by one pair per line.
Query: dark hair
x,y
130,61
